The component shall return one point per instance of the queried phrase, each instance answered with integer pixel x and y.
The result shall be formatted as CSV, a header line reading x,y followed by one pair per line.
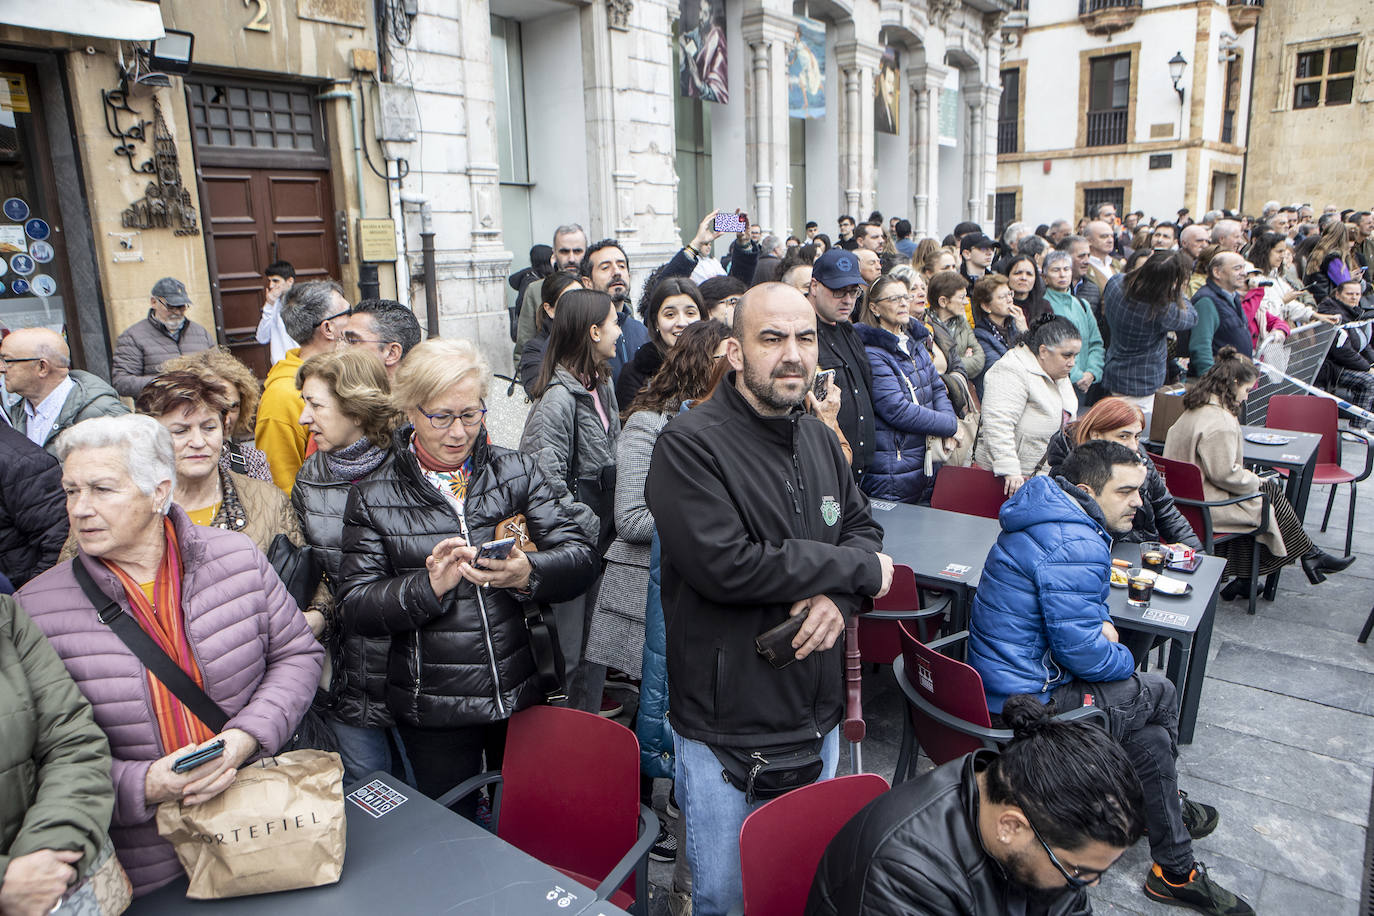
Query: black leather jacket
x,y
916,851
1157,518
463,659
33,511
357,691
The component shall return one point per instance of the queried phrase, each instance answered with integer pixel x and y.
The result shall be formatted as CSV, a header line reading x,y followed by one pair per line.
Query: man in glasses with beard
x,y
165,333
1026,831
760,524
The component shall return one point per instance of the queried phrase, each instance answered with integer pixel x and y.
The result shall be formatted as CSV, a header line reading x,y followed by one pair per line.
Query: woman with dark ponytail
x,y
1053,811
1027,398
1208,435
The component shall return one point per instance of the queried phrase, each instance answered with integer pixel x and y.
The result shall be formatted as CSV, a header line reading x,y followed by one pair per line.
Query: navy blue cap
x,y
837,269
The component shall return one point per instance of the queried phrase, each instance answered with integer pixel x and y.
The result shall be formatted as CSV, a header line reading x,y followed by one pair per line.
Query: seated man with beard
x,y
1040,626
1023,831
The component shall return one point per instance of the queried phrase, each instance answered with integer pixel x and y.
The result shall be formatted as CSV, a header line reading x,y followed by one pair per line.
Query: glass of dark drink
x,y
1153,556
1139,588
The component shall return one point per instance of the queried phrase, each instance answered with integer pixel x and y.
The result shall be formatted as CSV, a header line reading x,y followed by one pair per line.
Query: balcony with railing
x,y
1244,13
1107,128
1103,17
1017,15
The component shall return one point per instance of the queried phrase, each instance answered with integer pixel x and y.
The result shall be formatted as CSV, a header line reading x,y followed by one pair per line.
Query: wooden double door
x,y
256,216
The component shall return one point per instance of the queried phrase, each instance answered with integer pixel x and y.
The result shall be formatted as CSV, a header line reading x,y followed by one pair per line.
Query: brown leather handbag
x,y
516,527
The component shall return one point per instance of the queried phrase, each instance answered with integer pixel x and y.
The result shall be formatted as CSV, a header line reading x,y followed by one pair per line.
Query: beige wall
x,y
293,47
1315,155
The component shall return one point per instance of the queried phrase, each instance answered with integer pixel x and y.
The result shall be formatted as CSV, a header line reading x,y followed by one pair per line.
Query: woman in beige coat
x,y
1027,398
1209,436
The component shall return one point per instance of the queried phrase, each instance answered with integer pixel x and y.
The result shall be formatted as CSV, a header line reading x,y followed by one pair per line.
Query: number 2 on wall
x,y
259,22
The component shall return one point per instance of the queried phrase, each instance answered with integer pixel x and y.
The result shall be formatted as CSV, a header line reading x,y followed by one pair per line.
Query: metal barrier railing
x,y
1301,356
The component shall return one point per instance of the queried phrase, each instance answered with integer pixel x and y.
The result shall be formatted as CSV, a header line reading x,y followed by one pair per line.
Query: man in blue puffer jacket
x,y
1040,626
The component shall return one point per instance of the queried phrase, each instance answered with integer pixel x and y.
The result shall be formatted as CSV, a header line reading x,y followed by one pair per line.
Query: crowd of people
x,y
692,473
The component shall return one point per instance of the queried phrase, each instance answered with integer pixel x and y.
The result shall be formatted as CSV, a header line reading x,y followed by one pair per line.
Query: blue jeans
x,y
715,811
363,750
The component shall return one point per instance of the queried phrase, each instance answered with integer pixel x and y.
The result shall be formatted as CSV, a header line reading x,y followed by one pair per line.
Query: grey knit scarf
x,y
356,461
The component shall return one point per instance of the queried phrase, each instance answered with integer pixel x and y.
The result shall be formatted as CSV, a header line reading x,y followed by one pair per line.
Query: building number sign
x,y
259,22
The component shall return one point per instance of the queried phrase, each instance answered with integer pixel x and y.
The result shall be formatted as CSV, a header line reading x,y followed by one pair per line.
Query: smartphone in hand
x,y
821,386
201,755
493,550
729,222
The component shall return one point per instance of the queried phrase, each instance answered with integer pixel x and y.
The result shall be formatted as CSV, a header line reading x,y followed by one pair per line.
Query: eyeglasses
x,y
174,305
894,299
11,360
1074,875
852,292
731,301
470,418
332,317
352,338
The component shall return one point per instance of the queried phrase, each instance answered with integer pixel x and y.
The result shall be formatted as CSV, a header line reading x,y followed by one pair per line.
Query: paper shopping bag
x,y
280,826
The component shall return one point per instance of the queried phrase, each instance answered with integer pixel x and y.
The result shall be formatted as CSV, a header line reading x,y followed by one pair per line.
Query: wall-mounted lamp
x,y
1176,67
172,52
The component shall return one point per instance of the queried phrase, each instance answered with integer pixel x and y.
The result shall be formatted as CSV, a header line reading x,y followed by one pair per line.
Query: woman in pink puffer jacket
x,y
231,622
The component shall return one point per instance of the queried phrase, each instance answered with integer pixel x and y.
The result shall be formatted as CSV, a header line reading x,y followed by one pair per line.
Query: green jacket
x,y
92,397
1093,355
966,345
55,788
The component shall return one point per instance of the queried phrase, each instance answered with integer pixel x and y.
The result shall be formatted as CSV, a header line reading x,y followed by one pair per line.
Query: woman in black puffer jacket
x,y
348,411
460,661
1118,420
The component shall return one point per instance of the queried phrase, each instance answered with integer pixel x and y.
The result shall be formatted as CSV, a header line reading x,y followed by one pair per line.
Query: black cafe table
x,y
407,854
1186,620
1297,456
947,550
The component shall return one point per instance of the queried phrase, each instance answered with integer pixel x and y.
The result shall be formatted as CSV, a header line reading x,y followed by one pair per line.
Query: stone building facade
x,y
1312,114
345,135
1093,111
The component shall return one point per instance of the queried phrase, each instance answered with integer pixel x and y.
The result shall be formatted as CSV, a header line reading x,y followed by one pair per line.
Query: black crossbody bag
x,y
762,773
311,732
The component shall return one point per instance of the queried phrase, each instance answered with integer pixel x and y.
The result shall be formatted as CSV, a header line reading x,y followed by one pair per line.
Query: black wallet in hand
x,y
776,644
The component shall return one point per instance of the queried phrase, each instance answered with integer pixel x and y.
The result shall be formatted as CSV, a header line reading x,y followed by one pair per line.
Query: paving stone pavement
x,y
1284,743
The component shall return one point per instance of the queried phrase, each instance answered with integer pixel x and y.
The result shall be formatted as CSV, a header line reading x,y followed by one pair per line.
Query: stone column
x,y
767,32
975,141
925,83
858,61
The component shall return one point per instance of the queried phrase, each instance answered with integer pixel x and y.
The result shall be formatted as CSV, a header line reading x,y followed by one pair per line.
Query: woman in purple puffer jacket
x,y
207,597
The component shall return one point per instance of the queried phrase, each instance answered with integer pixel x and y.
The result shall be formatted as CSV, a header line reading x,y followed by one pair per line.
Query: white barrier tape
x,y
1275,374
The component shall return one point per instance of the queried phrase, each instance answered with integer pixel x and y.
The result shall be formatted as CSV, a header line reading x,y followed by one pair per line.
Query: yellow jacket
x,y
279,432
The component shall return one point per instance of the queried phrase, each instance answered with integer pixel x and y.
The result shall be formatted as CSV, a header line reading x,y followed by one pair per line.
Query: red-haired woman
x,y
1118,420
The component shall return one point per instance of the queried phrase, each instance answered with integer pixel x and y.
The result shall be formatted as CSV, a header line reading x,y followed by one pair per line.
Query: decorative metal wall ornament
x,y
166,204
117,103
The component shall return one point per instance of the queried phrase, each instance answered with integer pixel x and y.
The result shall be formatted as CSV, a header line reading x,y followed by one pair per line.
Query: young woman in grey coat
x,y
571,432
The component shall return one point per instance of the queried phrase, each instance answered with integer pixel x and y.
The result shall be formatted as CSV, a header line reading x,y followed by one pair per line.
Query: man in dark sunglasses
x,y
1026,831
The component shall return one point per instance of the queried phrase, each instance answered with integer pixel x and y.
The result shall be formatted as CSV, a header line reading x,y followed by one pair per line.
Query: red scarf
x,y
164,622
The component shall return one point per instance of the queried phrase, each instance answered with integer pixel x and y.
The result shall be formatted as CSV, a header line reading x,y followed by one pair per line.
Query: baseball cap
x,y
1252,269
976,240
837,269
171,291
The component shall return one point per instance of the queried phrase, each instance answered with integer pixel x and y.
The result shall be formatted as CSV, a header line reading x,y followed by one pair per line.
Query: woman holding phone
x,y
460,658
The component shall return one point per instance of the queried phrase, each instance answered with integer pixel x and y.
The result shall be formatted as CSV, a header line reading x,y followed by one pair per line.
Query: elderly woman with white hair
x,y
461,660
207,597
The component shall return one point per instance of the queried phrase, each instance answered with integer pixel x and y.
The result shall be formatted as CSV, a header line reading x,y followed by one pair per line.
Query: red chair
x,y
947,709
1308,414
879,642
1184,482
972,491
782,842
568,794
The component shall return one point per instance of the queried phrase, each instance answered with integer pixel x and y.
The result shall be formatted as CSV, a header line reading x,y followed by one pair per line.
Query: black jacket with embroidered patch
x,y
754,514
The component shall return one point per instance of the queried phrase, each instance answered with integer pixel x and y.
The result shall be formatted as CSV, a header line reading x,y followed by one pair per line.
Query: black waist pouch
x,y
762,773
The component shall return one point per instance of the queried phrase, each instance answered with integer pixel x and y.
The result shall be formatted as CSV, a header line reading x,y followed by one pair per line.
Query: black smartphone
x,y
729,222
821,386
776,644
493,550
200,755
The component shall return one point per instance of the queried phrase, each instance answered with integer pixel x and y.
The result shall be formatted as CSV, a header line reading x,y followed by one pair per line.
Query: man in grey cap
x,y
166,332
835,287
